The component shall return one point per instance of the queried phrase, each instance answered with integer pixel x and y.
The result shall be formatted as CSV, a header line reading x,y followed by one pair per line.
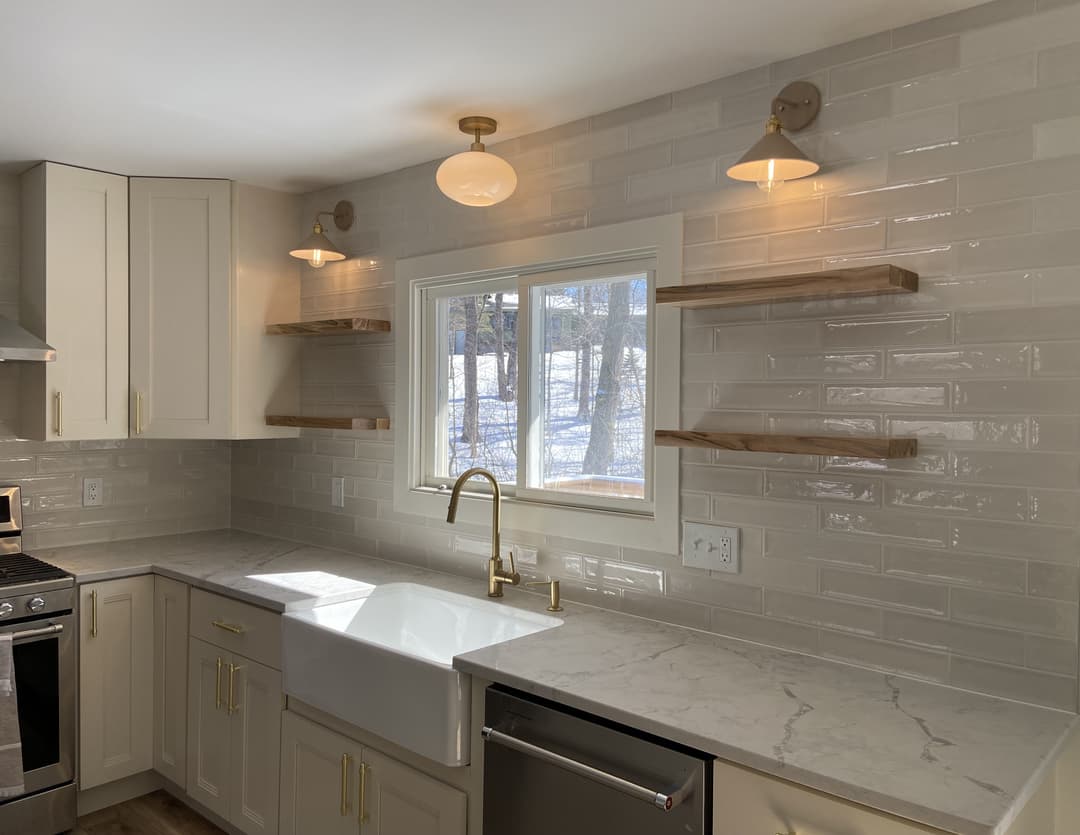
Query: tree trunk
x,y
470,424
601,450
500,350
585,382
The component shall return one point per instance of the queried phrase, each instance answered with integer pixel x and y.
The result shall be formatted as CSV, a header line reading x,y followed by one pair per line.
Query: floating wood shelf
x,y
880,280
327,327
850,446
300,422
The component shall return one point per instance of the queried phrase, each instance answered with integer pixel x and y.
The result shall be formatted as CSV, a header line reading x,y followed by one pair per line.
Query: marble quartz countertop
x,y
957,761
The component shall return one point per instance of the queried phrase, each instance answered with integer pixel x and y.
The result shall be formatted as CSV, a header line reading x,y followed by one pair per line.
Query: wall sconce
x,y
316,248
774,158
476,177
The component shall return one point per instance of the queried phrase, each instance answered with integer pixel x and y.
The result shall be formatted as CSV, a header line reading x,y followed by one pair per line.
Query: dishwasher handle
x,y
661,800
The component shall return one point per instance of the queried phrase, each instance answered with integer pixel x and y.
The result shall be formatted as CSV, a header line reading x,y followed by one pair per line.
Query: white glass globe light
x,y
476,178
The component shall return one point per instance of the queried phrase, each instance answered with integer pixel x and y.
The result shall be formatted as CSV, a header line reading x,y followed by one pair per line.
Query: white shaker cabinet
x,y
334,786
116,652
181,253
234,737
209,269
170,678
74,295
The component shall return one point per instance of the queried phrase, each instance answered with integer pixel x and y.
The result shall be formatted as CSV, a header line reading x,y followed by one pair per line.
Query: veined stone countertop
x,y
957,761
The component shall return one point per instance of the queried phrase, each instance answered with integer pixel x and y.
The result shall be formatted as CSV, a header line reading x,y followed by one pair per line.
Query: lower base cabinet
x,y
332,785
234,737
746,801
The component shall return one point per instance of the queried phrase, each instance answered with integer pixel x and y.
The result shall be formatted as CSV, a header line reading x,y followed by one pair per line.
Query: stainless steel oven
x,y
37,603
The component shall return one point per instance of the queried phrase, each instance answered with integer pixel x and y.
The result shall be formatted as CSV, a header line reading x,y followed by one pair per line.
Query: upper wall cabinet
x,y
207,269
75,297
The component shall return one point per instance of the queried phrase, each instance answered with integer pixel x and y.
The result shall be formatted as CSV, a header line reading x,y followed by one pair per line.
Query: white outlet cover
x,y
337,492
525,555
93,489
711,547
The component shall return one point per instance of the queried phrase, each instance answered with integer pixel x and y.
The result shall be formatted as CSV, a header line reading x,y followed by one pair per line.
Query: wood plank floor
x,y
158,813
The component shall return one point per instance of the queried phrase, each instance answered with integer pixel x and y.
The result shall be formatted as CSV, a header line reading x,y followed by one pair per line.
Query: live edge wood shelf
x,y
880,280
851,447
299,422
328,327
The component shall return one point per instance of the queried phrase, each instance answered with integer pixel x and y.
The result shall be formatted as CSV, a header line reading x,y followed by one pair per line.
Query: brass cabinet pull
x,y
228,627
344,785
93,614
59,414
217,687
233,707
138,413
363,817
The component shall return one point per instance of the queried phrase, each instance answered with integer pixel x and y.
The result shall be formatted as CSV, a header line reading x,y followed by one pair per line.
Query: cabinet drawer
x,y
238,627
750,803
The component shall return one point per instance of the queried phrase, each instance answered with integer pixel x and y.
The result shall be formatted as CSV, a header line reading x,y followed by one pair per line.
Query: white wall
x,y
951,148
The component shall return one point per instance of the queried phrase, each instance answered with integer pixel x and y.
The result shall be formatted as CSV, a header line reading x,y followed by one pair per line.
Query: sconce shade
x,y
476,178
317,249
773,158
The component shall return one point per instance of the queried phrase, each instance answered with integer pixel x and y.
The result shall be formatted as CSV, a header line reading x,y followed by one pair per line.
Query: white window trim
x,y
658,238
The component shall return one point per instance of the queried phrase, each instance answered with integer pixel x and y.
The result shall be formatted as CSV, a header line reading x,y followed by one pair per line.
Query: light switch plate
x,y
710,546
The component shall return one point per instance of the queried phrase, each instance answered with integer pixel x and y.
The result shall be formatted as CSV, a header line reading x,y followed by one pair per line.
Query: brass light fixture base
x,y
344,215
477,125
797,105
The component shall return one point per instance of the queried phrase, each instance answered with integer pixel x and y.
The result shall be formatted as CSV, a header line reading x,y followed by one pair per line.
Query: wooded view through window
x,y
586,410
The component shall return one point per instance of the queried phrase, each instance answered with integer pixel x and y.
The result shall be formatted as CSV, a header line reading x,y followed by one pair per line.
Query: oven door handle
x,y
51,629
666,801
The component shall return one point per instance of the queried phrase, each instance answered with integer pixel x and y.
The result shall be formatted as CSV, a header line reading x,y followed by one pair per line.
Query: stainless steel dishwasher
x,y
549,769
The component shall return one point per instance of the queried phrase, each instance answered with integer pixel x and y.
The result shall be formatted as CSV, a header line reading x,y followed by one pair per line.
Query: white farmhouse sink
x,y
383,662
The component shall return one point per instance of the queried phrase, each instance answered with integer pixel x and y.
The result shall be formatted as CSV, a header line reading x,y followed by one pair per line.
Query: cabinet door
x,y
255,713
170,678
181,265
319,780
75,296
208,727
746,801
401,801
115,680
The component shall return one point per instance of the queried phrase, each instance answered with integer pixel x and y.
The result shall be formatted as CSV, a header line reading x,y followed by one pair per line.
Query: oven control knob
x,y
6,609
35,604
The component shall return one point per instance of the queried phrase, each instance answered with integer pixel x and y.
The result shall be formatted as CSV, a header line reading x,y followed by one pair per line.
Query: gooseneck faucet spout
x,y
496,575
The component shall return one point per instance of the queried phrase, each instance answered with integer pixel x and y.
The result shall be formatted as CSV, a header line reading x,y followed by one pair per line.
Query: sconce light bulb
x,y
317,258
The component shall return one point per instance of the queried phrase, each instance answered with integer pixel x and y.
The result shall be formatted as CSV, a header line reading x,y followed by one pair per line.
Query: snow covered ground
x,y
565,436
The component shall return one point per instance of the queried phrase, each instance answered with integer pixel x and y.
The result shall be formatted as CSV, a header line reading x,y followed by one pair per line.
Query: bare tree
x,y
585,381
470,424
601,449
500,350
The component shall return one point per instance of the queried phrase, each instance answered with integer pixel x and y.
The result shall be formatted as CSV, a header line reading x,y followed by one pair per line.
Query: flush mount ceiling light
x,y
316,248
476,177
774,158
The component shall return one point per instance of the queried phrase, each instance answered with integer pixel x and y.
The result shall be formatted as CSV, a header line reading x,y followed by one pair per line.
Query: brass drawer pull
x,y
363,792
217,687
59,414
138,413
344,785
228,627
93,614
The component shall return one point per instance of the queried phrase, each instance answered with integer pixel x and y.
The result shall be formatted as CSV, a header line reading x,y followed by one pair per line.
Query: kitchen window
x,y
551,374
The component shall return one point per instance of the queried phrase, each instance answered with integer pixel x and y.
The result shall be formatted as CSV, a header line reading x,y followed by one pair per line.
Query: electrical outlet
x,y
711,547
337,492
93,490
525,555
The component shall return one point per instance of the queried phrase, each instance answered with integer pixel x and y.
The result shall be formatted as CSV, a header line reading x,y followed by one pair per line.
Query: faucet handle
x,y
554,603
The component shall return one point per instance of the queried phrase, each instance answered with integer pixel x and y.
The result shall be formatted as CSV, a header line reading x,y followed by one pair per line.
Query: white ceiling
x,y
301,95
